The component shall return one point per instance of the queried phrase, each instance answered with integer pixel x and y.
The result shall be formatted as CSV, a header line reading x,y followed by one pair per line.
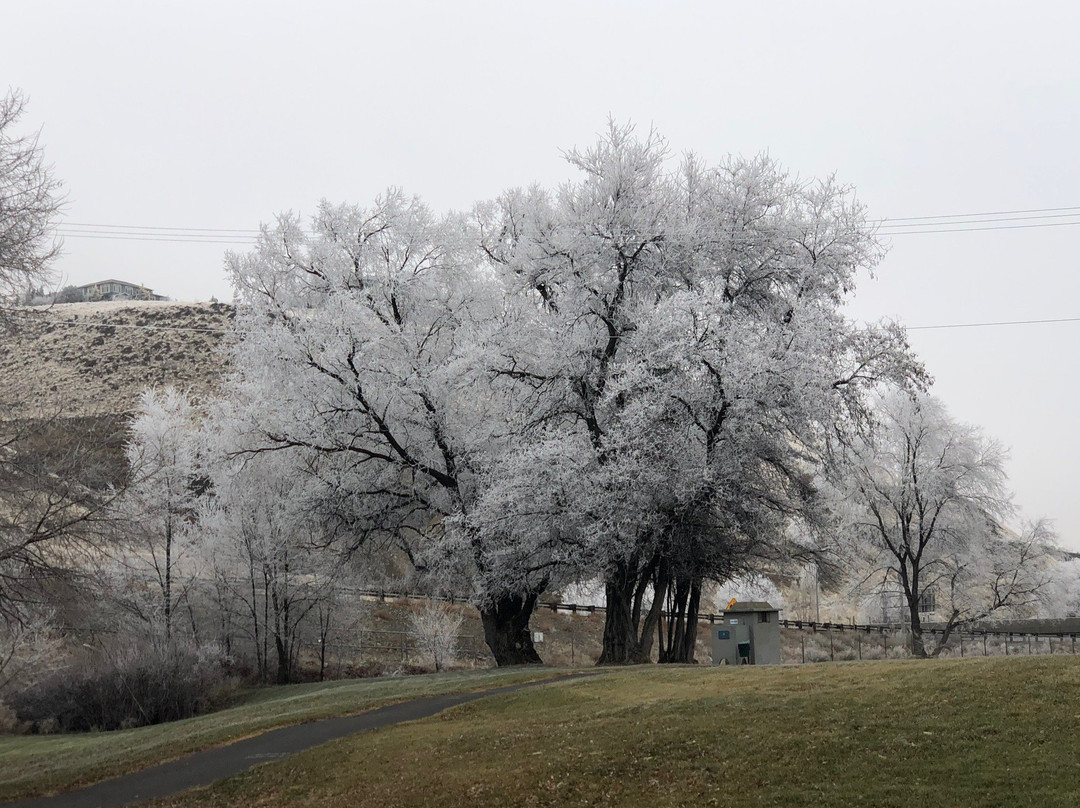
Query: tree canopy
x,y
631,377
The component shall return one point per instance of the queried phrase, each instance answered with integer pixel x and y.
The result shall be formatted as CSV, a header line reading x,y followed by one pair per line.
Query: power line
x,y
252,231
964,215
899,226
986,325
976,229
981,220
245,241
193,240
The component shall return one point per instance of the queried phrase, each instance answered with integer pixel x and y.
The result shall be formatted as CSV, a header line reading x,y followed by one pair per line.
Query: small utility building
x,y
748,634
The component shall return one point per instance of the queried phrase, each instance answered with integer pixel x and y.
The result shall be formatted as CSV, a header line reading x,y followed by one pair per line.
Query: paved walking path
x,y
203,768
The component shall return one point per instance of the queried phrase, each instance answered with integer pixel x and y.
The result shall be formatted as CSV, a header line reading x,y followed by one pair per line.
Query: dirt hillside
x,y
94,359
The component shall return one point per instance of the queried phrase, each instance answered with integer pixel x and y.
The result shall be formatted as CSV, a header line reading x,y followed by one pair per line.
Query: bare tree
x,y
57,482
926,506
28,650
29,204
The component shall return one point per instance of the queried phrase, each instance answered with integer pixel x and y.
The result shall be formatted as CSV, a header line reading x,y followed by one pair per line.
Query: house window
x,y
763,617
927,601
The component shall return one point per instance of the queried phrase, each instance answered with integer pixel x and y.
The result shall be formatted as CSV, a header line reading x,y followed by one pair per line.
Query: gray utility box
x,y
748,634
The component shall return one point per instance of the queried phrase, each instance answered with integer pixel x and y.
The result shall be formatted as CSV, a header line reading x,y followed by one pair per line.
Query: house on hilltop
x,y
113,289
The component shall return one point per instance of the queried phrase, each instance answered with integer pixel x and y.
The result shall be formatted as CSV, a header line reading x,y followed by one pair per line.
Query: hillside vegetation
x,y
94,359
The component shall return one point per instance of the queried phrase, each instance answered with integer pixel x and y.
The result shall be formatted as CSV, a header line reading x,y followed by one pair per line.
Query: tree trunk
x,y
661,579
506,630
682,622
621,644
284,660
945,634
689,647
918,647
168,579
676,620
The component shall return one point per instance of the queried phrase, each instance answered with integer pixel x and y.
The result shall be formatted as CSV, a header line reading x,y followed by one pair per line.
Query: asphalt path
x,y
210,765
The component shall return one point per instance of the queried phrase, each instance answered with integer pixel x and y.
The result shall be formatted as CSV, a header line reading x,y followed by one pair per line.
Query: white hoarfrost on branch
x,y
29,205
270,549
631,378
360,344
155,514
687,344
434,627
925,504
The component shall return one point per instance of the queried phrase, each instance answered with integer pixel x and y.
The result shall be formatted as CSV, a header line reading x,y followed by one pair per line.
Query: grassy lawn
x,y
34,765
975,732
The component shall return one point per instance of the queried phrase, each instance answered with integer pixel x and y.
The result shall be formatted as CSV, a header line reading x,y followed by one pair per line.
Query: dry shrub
x,y
141,685
435,628
9,722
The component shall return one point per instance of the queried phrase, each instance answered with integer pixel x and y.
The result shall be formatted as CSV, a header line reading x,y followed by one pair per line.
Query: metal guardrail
x,y
712,618
810,625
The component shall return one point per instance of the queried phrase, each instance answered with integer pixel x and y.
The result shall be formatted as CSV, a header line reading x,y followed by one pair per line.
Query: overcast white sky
x,y
218,115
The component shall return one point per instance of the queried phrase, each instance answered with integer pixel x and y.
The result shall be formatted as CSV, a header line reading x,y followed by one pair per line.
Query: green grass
x,y
977,732
35,765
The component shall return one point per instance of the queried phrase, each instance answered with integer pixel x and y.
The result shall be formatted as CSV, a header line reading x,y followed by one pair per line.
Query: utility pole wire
x,y
898,226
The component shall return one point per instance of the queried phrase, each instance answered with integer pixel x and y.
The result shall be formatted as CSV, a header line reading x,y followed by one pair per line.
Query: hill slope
x,y
94,359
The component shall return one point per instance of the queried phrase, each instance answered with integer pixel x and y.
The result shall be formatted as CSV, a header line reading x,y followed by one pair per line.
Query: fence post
x,y
961,645
802,641
885,637
984,644
1007,638
1029,643
832,653
858,641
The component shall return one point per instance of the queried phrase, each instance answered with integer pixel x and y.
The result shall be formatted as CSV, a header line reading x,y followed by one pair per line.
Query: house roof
x,y
114,280
750,606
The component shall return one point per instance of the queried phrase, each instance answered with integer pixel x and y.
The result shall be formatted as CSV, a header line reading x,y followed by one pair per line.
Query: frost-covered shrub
x,y
434,627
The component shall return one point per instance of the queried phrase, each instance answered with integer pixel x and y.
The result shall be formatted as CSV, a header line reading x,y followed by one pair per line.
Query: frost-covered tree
x,y
359,343
688,349
29,204
926,504
1062,595
628,378
269,548
157,509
